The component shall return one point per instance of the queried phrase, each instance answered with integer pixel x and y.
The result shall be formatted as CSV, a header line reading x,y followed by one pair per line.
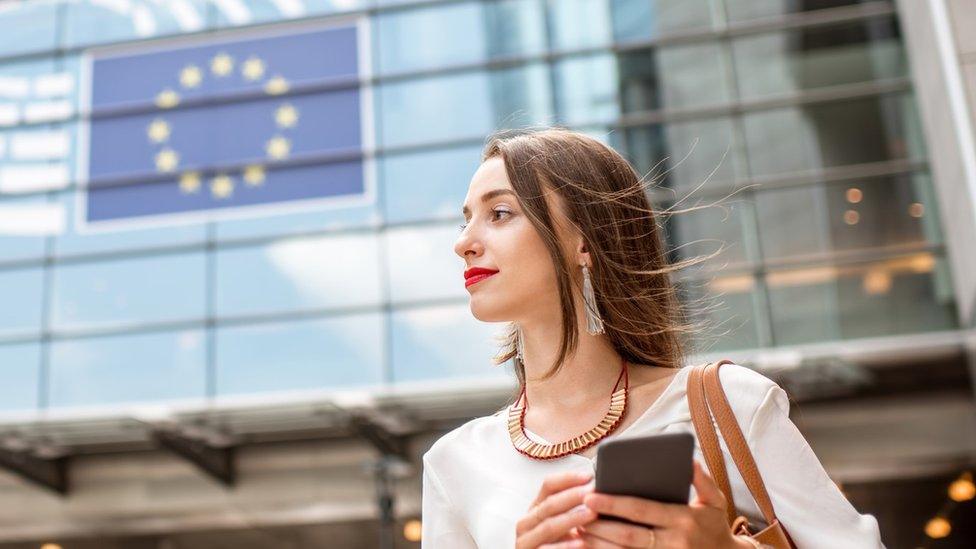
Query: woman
x,y
561,240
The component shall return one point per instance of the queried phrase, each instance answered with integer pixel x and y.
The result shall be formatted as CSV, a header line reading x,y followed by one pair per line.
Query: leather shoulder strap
x,y
707,439
736,442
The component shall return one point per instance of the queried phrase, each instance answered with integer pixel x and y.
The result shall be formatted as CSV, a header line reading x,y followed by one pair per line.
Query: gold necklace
x,y
532,449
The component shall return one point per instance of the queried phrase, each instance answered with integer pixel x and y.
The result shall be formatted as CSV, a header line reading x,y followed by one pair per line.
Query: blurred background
x,y
226,228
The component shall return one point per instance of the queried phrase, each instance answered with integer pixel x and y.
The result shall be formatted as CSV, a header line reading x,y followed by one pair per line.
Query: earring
x,y
518,343
594,324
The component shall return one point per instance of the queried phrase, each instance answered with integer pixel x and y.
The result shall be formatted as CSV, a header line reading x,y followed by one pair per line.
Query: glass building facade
x,y
804,110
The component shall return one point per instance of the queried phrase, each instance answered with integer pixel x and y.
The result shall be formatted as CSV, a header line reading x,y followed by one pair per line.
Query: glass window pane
x,y
140,290
30,91
74,242
645,19
104,22
674,77
329,353
243,12
428,184
36,158
445,342
899,295
815,57
28,26
20,367
814,136
705,231
586,90
457,33
101,370
299,274
868,213
467,105
422,263
23,239
579,24
739,10
725,309
21,295
685,155
297,222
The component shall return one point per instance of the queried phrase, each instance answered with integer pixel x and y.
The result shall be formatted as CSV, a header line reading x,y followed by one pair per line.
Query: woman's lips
x,y
476,278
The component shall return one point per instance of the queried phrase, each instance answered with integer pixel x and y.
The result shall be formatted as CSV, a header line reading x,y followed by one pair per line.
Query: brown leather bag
x,y
706,399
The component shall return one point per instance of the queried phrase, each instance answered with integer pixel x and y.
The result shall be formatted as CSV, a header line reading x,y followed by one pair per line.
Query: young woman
x,y
560,239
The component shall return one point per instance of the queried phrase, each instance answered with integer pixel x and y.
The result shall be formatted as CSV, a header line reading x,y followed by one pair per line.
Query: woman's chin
x,y
486,313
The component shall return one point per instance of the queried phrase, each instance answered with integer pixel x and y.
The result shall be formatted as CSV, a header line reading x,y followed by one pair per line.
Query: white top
x,y
476,486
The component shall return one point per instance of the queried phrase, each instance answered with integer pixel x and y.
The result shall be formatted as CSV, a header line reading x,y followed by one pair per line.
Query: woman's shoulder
x,y
746,390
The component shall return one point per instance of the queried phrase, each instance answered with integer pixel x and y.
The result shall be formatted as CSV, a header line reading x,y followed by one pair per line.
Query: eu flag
x,y
226,123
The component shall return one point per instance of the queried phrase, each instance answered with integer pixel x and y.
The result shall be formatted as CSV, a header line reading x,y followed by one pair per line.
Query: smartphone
x,y
657,467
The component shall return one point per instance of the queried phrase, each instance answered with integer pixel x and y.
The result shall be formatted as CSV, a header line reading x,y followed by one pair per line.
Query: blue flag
x,y
229,123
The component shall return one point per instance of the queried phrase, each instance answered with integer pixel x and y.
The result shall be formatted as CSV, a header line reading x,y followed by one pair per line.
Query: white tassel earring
x,y
518,343
594,324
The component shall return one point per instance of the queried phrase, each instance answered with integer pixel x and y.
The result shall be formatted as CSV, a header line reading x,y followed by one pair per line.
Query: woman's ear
x,y
582,255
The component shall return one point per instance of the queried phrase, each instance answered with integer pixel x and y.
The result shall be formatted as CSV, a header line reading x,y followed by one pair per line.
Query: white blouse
x,y
476,486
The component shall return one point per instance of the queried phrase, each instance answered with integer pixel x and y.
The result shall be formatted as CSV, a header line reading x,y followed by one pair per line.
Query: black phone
x,y
657,467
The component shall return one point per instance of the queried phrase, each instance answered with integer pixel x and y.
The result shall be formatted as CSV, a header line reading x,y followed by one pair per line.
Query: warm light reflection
x,y
877,282
917,263
963,489
851,217
732,284
411,530
854,195
916,209
938,528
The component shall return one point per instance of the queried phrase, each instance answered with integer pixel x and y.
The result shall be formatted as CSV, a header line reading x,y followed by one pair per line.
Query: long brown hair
x,y
606,201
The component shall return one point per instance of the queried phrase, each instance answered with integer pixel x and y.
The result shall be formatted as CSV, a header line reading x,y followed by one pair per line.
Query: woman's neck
x,y
585,377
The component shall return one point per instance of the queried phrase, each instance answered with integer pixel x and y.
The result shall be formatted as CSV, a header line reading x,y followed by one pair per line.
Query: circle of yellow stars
x,y
221,185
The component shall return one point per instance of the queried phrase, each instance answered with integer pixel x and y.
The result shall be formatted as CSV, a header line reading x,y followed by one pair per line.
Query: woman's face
x,y
498,236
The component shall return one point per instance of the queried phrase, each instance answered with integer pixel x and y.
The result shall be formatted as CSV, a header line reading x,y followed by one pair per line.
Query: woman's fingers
x,y
643,511
594,542
571,544
556,512
706,491
556,527
559,482
555,504
621,534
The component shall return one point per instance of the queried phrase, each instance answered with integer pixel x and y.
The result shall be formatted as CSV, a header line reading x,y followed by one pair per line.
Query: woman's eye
x,y
464,225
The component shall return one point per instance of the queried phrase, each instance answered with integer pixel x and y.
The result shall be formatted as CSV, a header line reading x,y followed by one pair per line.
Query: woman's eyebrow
x,y
488,196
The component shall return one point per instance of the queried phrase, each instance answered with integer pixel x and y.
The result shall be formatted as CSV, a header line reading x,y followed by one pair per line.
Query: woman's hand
x,y
702,523
556,512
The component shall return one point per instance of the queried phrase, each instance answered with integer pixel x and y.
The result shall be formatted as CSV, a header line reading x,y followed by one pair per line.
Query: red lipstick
x,y
476,274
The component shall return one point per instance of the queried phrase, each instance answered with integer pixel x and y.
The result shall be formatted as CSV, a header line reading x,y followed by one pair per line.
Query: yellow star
x,y
190,182
167,99
191,76
253,68
167,159
254,175
276,86
278,147
286,116
221,64
221,186
158,131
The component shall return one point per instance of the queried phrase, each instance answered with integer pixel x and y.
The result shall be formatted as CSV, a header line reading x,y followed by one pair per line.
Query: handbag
x,y
707,399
